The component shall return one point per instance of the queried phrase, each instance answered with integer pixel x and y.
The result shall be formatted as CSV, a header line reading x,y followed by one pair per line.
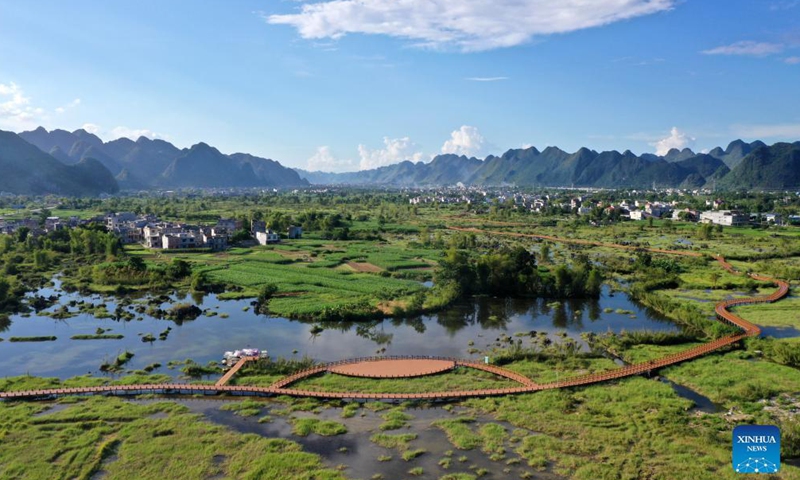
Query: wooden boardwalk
x,y
230,373
526,385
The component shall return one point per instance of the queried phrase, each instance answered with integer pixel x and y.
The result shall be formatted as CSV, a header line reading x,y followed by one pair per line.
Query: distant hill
x,y
550,167
26,170
766,168
146,163
741,165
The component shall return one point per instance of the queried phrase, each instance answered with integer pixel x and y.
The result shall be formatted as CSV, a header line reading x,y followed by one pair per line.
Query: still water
x,y
449,333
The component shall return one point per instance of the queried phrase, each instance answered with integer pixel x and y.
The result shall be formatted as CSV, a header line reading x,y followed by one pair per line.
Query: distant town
x,y
155,233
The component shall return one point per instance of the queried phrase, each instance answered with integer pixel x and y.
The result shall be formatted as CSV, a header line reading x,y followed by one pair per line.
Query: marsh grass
x,y
79,441
398,442
246,408
460,433
326,428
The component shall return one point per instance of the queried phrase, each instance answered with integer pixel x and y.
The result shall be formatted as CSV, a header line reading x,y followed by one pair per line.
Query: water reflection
x,y
460,331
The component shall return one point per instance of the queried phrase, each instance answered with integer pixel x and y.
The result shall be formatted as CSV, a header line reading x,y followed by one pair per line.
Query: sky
x,y
344,85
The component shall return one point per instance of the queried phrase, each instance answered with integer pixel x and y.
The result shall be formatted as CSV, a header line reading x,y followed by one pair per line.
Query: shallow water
x,y
447,333
701,402
355,450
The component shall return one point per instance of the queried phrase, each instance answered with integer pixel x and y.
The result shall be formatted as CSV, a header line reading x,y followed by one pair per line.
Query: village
x,y
153,233
589,202
596,206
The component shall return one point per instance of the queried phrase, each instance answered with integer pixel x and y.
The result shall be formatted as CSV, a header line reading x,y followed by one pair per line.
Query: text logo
x,y
756,449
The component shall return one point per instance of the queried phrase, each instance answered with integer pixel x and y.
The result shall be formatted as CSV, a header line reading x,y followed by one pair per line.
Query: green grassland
x,y
734,378
785,313
554,369
310,274
122,439
635,428
29,382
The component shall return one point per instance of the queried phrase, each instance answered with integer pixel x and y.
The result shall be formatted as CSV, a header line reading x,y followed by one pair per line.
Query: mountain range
x,y
26,170
741,165
80,163
146,163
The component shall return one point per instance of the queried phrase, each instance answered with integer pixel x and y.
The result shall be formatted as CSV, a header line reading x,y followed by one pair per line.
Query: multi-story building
x,y
732,218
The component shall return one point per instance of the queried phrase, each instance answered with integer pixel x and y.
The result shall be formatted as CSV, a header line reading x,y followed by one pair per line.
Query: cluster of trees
x,y
27,261
134,271
513,272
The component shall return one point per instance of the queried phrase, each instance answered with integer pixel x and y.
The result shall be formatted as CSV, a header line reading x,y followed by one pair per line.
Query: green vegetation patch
x,y
731,378
785,313
460,433
395,419
397,441
246,408
148,441
456,380
326,428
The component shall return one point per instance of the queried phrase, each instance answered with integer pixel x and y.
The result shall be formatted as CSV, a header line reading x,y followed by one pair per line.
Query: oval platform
x,y
393,368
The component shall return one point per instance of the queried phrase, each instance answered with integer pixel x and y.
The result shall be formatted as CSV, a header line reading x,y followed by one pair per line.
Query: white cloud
x,y
469,25
792,60
784,130
133,133
91,127
755,49
464,141
395,150
676,139
325,161
71,104
486,79
16,111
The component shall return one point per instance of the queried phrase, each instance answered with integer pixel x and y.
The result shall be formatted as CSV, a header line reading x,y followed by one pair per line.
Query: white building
x,y
731,218
268,237
179,240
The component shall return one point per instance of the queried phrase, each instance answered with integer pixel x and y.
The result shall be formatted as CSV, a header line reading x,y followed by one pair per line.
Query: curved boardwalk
x,y
526,385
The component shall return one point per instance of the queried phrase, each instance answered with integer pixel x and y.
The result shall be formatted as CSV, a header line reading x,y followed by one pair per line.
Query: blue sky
x,y
344,84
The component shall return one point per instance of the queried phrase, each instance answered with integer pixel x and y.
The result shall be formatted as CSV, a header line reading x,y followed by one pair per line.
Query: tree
x,y
544,253
714,278
594,283
455,268
5,287
266,294
242,235
179,269
22,234
200,282
136,263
